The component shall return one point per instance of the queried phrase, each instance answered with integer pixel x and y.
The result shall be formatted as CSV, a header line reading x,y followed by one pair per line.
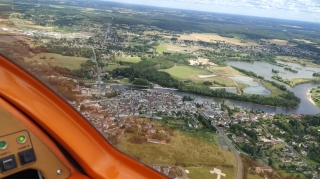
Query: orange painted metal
x,y
42,136
84,143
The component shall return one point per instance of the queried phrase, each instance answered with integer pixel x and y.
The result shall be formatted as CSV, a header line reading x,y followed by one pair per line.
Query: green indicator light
x,y
22,139
3,145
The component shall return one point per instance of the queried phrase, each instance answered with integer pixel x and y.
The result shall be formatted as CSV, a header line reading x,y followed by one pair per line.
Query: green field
x,y
254,176
204,172
59,60
274,91
184,150
286,174
312,162
185,72
129,59
162,48
111,67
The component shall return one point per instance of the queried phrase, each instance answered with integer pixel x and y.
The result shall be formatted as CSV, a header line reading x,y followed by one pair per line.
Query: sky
x,y
302,10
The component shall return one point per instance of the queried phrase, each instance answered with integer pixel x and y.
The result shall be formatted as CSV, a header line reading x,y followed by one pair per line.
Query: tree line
x,y
148,69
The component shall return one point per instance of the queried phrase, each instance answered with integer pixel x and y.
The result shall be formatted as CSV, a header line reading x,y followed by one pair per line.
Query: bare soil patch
x,y
278,42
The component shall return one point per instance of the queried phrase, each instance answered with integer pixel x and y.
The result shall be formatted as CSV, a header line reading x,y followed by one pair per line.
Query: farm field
x,y
59,60
174,48
278,41
186,72
111,67
129,59
214,37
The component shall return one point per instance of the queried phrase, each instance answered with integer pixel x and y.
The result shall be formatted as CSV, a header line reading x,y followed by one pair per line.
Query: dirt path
x,y
238,89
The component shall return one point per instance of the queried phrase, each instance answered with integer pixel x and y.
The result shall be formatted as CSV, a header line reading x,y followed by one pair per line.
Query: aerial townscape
x,y
191,94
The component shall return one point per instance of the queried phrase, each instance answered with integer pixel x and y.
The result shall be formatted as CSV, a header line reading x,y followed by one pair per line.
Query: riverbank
x,y
308,94
305,107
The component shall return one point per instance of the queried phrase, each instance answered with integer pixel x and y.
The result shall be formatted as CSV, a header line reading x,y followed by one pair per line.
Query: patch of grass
x,y
294,81
254,176
184,150
177,122
111,67
204,172
286,174
241,85
125,81
59,60
206,136
161,48
277,146
223,80
224,71
274,91
129,59
312,162
185,72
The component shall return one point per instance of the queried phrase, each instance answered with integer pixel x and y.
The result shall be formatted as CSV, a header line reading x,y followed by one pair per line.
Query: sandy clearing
x,y
203,61
214,38
278,41
206,76
304,40
308,94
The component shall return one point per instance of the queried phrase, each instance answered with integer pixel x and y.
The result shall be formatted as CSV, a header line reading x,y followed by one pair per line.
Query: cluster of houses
x,y
44,33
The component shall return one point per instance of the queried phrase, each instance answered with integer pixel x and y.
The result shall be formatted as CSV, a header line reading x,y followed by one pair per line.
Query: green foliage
x,y
316,74
187,98
140,81
207,83
290,69
217,83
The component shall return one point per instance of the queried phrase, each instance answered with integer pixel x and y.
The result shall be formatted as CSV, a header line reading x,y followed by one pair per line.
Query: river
x,y
306,107
263,69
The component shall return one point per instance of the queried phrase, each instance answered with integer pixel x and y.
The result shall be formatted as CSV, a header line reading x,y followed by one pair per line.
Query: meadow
x,y
58,60
184,149
129,59
207,37
111,67
186,72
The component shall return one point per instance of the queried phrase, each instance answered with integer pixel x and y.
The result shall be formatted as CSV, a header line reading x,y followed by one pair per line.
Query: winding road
x,y
232,147
235,151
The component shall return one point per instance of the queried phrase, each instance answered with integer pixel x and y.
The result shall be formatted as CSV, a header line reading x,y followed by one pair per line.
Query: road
x,y
298,155
235,151
232,147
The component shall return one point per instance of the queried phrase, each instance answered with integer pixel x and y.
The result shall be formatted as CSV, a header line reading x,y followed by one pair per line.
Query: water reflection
x,y
255,87
305,107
